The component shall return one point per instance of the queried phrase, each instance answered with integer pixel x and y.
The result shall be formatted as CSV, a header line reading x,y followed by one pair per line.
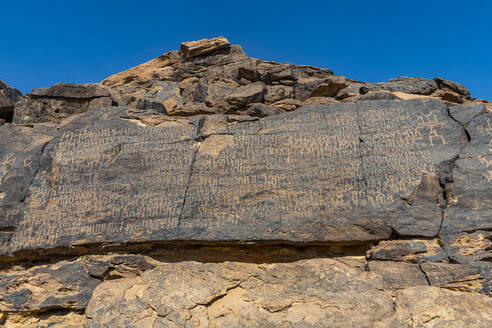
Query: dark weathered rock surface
x,y
306,199
53,104
405,84
338,173
8,97
408,250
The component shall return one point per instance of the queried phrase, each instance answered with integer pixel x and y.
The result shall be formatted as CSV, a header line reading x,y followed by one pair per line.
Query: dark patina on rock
x,y
346,173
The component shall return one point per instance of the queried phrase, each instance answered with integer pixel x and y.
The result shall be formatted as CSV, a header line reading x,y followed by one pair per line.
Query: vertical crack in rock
x,y
445,176
465,131
425,274
446,180
198,138
193,159
446,173
361,154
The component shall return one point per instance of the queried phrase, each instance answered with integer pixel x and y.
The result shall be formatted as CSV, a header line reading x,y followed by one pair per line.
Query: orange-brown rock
x,y
203,47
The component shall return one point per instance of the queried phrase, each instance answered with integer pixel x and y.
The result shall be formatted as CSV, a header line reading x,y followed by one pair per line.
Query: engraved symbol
x,y
485,161
488,176
432,122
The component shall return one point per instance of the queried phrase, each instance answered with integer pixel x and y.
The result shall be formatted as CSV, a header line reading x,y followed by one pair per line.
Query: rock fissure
x,y
333,198
185,195
361,151
425,275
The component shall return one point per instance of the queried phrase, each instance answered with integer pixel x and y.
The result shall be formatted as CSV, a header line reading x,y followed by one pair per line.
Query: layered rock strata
x,y
205,188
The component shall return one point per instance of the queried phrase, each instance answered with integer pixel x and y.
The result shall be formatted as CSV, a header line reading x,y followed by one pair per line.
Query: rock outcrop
x,y
53,104
8,98
205,188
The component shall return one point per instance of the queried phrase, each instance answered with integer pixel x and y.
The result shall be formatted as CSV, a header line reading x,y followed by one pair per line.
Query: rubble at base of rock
x,y
206,188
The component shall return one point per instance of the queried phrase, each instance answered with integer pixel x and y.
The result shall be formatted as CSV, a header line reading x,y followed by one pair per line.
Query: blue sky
x,y
46,42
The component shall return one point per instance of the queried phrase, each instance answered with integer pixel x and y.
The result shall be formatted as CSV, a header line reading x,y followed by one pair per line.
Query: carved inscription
x,y
399,145
110,184
306,175
470,207
340,165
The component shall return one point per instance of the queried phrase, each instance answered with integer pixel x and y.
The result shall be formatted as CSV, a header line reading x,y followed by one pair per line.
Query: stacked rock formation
x,y
205,188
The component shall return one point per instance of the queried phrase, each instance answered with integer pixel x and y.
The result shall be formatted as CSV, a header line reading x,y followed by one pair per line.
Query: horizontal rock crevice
x,y
209,188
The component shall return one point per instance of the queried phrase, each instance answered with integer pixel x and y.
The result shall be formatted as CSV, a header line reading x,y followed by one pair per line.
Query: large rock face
x,y
206,188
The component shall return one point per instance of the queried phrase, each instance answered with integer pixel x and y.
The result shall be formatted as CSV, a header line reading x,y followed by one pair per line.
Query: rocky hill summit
x,y
206,188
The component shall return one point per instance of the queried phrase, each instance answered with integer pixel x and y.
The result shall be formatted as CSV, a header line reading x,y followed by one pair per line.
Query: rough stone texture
x,y
435,307
448,95
331,86
53,104
454,276
337,173
203,47
470,206
8,97
398,274
252,93
415,251
452,86
20,150
375,95
235,294
65,285
405,84
56,319
305,199
326,293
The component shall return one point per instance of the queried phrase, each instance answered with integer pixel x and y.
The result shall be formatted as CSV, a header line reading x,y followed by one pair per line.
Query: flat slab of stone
x,y
203,47
324,173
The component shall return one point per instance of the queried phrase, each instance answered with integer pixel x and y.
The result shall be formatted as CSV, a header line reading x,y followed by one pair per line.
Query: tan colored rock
x,y
236,294
55,319
320,100
160,68
203,47
331,86
435,307
409,96
448,95
287,104
66,285
188,82
308,293
276,93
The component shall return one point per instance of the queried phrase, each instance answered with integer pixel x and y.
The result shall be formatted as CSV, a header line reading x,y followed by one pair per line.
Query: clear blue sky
x,y
46,42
